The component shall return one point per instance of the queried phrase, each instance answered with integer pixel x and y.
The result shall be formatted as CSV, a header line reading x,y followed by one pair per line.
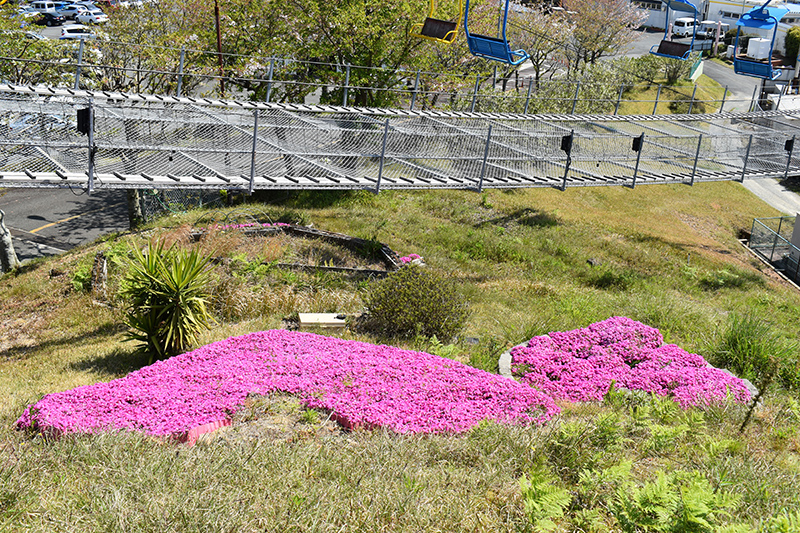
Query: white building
x,y
725,11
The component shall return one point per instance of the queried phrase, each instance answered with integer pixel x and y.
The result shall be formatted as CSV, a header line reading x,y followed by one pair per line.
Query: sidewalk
x,y
775,194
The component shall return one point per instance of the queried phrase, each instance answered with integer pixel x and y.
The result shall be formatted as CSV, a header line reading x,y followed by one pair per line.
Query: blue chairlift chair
x,y
494,48
758,18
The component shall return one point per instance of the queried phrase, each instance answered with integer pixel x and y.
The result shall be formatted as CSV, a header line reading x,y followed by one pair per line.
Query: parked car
x,y
27,12
91,17
77,31
72,10
44,6
49,19
26,34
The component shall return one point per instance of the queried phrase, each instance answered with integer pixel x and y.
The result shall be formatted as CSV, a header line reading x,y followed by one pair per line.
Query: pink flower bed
x,y
363,385
581,365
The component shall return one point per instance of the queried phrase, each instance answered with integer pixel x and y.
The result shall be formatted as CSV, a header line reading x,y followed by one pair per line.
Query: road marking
x,y
51,224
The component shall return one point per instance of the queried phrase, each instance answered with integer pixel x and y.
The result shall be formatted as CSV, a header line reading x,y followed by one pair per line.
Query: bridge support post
x,y
575,98
269,80
566,147
90,136
746,157
753,99
638,146
346,85
253,154
528,98
691,103
383,156
78,66
658,95
180,71
696,157
789,147
724,95
414,92
619,97
485,159
475,93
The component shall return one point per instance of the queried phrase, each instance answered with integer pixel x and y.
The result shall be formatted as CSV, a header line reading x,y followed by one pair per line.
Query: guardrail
x,y
92,139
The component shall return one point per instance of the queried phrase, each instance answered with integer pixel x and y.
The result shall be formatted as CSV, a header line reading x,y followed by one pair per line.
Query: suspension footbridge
x,y
58,137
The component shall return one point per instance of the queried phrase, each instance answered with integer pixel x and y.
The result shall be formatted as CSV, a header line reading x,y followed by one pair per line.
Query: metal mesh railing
x,y
771,239
147,141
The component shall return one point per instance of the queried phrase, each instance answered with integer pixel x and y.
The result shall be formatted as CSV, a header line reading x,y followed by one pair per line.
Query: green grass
x,y
640,101
531,261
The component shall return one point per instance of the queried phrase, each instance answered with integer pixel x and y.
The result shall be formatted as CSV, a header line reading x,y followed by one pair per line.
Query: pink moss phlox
x,y
409,258
581,365
362,384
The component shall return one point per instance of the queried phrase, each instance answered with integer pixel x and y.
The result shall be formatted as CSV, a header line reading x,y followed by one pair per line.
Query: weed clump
x,y
749,347
416,301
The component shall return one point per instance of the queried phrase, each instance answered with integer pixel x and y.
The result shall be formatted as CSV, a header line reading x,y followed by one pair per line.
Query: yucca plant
x,y
168,298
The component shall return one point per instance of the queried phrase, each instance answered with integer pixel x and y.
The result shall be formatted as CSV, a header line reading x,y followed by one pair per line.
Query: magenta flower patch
x,y
363,385
581,365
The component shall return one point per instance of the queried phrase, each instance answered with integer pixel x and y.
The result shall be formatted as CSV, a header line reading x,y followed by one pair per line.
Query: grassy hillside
x,y
531,261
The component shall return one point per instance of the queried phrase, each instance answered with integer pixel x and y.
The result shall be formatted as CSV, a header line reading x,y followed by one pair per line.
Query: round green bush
x,y
416,301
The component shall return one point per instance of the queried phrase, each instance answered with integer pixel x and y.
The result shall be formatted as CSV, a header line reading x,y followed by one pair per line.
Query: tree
x,y
792,44
140,54
36,56
543,36
373,35
600,27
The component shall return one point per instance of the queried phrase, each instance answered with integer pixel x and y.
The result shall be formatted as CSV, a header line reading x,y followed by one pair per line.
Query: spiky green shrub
x,y
416,301
167,296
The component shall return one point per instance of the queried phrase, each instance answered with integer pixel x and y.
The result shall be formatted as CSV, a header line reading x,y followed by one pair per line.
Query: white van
x,y
683,27
708,29
44,6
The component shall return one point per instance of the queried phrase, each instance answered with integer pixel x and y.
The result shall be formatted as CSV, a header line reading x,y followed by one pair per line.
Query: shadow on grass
x,y
98,333
115,363
792,183
524,217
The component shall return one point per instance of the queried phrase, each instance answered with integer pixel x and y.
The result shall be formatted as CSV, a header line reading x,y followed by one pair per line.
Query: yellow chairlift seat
x,y
434,29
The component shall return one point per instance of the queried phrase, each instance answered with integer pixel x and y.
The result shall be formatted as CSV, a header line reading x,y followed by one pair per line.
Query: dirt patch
x,y
277,418
16,333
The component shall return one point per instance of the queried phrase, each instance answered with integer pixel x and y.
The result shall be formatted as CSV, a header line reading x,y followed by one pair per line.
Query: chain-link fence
x,y
157,142
157,202
771,238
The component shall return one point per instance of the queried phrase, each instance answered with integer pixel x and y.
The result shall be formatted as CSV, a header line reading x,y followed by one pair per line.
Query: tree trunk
x,y
8,257
135,215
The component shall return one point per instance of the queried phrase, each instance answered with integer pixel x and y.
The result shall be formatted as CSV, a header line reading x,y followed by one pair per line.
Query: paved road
x,y
51,221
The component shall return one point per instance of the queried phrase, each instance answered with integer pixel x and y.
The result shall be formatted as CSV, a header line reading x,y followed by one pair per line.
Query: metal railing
x,y
150,141
770,238
127,67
